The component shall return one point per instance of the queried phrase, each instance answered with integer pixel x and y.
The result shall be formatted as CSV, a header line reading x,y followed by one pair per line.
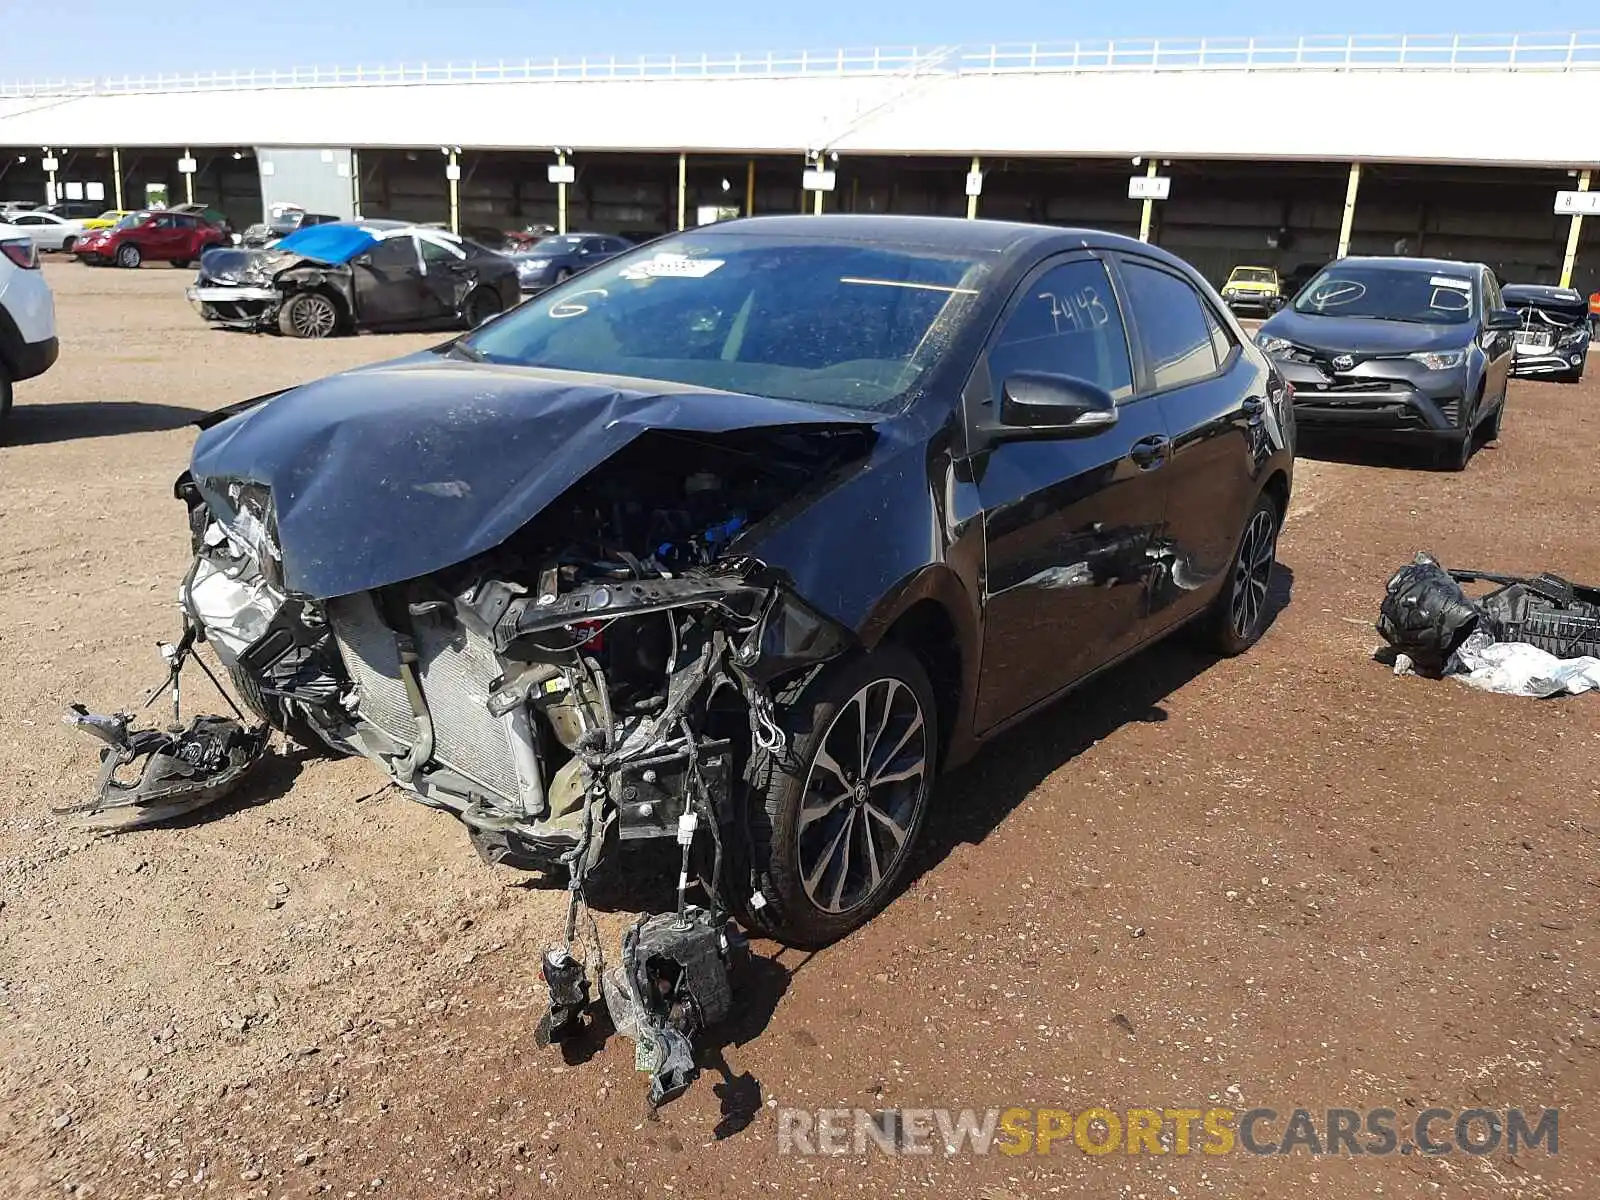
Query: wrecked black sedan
x,y
738,540
352,275
1553,342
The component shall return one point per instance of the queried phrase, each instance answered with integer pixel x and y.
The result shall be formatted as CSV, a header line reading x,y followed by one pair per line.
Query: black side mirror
x,y
1501,320
1059,404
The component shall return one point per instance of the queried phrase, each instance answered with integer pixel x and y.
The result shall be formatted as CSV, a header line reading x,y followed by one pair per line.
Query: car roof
x,y
1541,291
1413,264
954,235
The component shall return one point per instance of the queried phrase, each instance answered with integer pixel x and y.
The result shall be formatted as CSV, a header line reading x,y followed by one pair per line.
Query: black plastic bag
x,y
1425,614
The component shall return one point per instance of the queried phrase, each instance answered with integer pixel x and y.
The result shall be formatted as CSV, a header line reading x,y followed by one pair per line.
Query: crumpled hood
x,y
392,472
231,264
1349,335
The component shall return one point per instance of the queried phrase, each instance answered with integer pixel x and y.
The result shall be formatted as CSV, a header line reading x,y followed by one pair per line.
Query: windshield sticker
x,y
1464,285
672,266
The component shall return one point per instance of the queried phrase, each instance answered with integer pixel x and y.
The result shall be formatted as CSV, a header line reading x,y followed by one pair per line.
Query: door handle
x,y
1151,452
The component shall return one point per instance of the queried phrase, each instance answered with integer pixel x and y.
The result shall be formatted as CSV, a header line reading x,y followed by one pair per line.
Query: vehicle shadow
x,y
972,801
1374,452
43,424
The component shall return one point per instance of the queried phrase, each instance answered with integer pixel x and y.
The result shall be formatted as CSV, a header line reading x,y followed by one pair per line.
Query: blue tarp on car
x,y
328,243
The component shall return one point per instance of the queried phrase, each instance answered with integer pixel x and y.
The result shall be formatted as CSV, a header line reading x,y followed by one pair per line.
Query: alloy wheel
x,y
313,317
1252,572
868,778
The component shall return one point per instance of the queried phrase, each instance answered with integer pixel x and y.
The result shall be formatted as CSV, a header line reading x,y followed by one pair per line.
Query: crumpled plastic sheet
x,y
1518,669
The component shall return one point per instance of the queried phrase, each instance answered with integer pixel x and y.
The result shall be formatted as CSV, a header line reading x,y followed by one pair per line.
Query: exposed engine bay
x,y
609,674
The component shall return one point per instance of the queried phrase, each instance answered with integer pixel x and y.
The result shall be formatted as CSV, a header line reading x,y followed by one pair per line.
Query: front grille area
x,y
456,670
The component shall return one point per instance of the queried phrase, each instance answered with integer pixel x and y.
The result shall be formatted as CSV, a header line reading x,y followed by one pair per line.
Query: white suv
x,y
28,343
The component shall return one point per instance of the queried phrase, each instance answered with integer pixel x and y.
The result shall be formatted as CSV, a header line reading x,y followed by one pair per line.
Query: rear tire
x,y
5,400
128,255
68,245
1239,614
308,315
834,826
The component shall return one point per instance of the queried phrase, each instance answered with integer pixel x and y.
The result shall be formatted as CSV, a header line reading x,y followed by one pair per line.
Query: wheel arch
x,y
1277,486
933,617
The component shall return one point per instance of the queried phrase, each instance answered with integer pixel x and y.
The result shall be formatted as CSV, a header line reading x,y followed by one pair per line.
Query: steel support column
x,y
750,188
1573,233
972,201
116,176
561,195
1149,205
453,174
683,191
1348,223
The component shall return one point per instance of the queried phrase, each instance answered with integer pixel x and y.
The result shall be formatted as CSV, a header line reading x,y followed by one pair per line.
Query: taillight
x,y
21,251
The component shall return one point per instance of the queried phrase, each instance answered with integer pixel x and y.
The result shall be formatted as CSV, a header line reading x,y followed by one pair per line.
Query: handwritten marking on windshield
x,y
904,283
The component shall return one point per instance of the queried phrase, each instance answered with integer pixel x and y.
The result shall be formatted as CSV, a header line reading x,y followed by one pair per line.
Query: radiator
x,y
456,669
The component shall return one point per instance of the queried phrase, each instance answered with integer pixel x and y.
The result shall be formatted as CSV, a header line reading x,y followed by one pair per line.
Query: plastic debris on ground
x,y
1532,636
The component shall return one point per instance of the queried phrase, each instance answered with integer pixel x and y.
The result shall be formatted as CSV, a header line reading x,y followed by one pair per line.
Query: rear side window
x,y
1222,342
1067,323
394,252
1173,326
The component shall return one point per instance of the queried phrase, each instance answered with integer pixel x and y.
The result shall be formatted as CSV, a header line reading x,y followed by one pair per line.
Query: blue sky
x,y
115,37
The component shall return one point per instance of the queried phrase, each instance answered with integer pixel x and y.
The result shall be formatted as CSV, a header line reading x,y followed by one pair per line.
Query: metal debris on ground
x,y
1533,635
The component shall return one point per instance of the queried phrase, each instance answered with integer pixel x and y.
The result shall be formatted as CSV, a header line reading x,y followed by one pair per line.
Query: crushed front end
x,y
1553,342
608,675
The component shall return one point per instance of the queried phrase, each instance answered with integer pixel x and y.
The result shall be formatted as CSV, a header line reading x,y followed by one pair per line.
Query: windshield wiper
x,y
466,353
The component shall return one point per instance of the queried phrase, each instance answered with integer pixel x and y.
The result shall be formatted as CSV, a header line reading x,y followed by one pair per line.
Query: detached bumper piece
x,y
168,774
1532,636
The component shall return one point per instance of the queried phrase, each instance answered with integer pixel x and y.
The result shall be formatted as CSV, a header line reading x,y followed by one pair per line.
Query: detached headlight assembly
x,y
1439,360
1270,344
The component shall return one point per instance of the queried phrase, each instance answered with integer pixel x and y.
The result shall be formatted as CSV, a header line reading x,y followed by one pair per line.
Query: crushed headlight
x,y
1572,337
253,528
1439,360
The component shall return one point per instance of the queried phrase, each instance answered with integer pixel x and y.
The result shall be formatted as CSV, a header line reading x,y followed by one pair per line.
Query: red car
x,y
158,235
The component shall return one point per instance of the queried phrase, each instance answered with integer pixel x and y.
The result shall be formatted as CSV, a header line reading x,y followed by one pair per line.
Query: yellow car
x,y
105,220
1253,287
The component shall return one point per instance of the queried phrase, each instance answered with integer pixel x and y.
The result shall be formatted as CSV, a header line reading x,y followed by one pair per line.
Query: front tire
x,y
68,245
833,826
5,399
1239,614
128,256
308,315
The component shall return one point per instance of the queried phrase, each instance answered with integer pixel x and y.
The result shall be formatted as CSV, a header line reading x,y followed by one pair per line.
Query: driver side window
x,y
435,256
394,253
1067,323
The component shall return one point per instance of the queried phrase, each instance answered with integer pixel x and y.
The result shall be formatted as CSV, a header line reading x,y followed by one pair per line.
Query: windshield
x,y
1252,275
1375,292
835,323
132,220
562,244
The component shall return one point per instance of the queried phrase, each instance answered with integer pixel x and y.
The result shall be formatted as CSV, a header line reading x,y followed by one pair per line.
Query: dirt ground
x,y
1289,879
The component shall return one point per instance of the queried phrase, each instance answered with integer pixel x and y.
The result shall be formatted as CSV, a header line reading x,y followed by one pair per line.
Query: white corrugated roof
x,y
1513,115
